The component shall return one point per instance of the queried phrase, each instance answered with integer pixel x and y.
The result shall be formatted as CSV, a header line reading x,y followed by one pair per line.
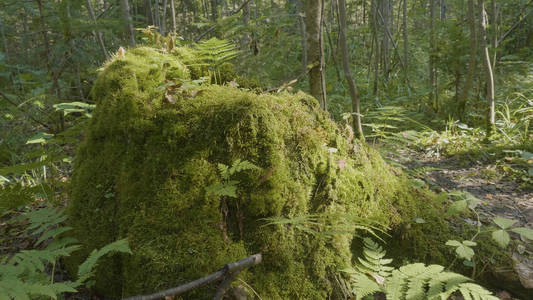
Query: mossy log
x,y
143,166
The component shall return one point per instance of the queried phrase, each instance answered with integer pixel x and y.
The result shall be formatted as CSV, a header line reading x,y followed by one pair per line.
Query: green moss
x,y
142,170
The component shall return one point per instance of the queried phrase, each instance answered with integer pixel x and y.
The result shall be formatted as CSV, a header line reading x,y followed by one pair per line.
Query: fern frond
x,y
86,269
215,52
364,286
409,282
242,165
373,261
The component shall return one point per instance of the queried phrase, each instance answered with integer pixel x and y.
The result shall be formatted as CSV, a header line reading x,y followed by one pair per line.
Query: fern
x,y
373,261
409,282
86,269
215,52
228,187
23,275
328,225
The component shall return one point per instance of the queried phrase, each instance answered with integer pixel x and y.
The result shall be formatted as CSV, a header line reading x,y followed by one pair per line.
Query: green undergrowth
x,y
151,150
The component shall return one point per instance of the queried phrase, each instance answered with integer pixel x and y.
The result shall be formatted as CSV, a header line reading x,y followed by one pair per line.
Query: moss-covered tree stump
x,y
151,150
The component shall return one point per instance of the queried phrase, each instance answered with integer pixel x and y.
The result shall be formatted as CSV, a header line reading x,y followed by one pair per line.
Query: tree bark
x,y
488,65
164,19
301,20
173,17
431,65
314,15
443,9
157,15
472,62
354,94
405,42
148,12
125,12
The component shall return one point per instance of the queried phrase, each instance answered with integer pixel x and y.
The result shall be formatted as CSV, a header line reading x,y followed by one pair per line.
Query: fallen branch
x,y
229,272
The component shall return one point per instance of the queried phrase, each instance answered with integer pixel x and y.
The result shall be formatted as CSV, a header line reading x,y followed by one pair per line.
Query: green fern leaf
x,y
86,269
364,286
242,165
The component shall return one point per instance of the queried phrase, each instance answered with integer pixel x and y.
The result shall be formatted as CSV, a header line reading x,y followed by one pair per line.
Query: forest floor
x,y
501,196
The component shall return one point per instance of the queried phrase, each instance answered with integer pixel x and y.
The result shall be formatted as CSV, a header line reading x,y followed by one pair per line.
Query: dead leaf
x,y
169,98
341,163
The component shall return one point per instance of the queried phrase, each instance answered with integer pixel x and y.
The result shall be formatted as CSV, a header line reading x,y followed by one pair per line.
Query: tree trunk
x,y
405,42
356,111
164,19
148,12
383,11
214,10
98,35
301,20
157,15
173,17
488,65
125,12
4,40
443,9
472,63
375,42
45,36
314,15
245,20
431,65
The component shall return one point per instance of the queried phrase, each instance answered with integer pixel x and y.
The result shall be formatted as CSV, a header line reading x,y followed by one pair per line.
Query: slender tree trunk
x,y
245,20
173,17
488,65
214,10
377,48
494,34
405,42
443,9
332,52
314,15
157,15
431,65
164,19
364,12
45,36
383,12
125,12
463,96
4,40
148,12
301,20
356,111
98,35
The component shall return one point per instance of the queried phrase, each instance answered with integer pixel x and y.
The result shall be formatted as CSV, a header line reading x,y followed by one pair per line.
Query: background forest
x,y
441,88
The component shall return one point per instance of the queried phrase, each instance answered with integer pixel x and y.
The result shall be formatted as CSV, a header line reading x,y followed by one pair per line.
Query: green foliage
x,y
24,275
501,235
463,249
409,282
228,187
328,225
